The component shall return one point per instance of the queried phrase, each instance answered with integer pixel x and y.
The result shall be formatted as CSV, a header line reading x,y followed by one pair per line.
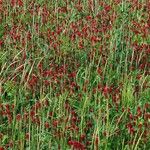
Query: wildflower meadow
x,y
74,75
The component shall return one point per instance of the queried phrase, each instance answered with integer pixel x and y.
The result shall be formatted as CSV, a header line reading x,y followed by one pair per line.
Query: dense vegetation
x,y
74,74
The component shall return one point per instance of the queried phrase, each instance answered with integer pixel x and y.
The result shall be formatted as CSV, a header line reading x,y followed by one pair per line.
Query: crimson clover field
x,y
74,75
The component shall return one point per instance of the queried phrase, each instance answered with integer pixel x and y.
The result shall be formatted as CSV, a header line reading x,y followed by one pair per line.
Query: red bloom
x,y
20,3
1,42
33,81
131,116
1,148
47,125
27,136
106,89
46,103
18,117
76,145
88,17
131,131
82,137
139,112
40,67
55,123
